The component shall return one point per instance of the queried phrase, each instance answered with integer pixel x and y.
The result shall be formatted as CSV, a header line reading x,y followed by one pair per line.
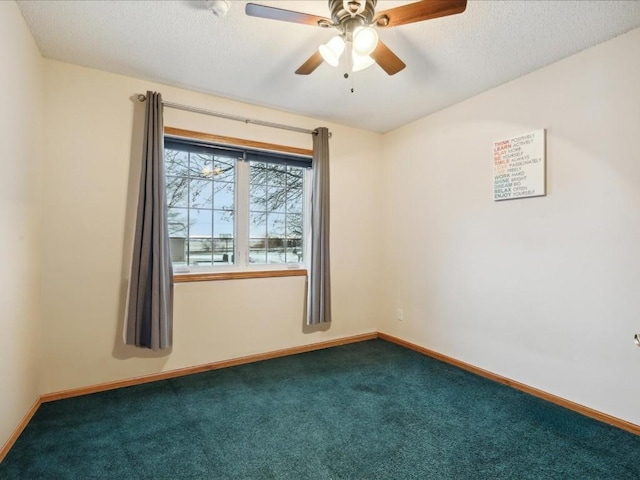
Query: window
x,y
234,207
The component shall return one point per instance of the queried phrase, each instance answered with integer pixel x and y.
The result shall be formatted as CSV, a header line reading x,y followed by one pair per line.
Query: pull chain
x,y
349,58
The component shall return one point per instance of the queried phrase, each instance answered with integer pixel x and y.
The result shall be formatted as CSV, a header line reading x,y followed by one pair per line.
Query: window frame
x,y
242,269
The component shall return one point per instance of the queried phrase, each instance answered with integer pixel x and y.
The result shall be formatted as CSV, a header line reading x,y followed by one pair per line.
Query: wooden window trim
x,y
243,275
236,142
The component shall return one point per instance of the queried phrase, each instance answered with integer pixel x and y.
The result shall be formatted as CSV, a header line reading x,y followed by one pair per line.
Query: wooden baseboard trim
x,y
576,407
21,426
76,392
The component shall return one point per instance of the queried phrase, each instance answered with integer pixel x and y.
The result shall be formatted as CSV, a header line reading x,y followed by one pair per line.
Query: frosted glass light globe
x,y
365,40
332,50
360,62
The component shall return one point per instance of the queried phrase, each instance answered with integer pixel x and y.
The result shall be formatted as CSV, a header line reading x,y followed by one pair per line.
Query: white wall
x,y
21,93
540,290
93,144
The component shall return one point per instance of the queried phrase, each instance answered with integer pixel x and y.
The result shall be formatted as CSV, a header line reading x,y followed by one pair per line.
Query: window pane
x,y
294,251
176,162
223,202
257,251
200,251
277,174
223,222
201,194
279,205
201,165
178,221
294,226
257,238
294,201
178,232
276,224
295,177
258,226
223,196
201,222
276,239
258,173
223,251
276,199
258,198
201,237
177,191
224,169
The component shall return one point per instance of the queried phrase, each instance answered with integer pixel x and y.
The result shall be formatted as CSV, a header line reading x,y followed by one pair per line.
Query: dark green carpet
x,y
363,411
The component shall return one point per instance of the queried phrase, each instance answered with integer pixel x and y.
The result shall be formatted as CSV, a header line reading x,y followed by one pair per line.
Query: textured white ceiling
x,y
251,59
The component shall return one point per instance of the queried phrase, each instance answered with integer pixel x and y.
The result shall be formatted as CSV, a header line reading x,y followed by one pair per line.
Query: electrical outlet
x,y
400,315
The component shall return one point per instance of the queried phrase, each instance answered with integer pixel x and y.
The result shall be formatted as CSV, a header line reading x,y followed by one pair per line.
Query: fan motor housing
x,y
339,14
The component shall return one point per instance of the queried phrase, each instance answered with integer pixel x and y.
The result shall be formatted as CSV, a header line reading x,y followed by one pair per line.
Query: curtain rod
x,y
228,116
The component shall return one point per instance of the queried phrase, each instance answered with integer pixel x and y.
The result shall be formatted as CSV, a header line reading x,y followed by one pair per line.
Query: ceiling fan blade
x,y
311,64
262,11
388,60
419,11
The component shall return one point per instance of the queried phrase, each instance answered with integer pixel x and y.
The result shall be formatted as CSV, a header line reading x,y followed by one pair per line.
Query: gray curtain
x,y
150,301
319,291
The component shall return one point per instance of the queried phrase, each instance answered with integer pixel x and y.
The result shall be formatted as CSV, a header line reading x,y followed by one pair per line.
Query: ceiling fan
x,y
355,20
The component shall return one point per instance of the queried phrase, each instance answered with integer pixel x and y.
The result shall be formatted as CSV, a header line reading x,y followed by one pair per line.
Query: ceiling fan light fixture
x,y
360,62
365,40
218,7
354,7
332,50
354,20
